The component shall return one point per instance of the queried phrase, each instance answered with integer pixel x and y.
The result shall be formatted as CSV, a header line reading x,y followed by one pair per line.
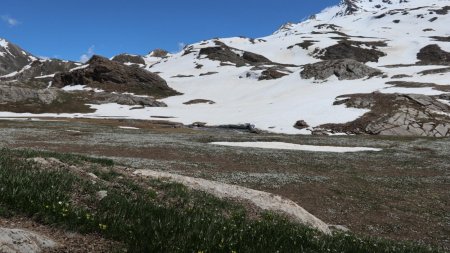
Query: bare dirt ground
x,y
402,192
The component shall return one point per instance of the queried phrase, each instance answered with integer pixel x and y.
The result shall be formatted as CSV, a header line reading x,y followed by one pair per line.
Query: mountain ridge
x,y
262,82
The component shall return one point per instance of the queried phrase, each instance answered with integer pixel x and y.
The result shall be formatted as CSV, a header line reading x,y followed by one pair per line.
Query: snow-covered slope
x,y
275,105
258,81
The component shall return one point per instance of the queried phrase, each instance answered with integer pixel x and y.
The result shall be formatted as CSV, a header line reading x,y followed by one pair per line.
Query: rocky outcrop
x,y
12,94
129,59
113,76
226,54
397,115
125,99
12,58
346,69
346,49
23,241
433,55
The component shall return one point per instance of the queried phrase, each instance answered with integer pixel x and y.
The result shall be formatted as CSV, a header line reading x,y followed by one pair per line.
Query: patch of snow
x,y
129,128
290,146
77,87
80,67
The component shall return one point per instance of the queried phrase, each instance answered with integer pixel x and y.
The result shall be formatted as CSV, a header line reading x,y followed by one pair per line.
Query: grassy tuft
x,y
155,216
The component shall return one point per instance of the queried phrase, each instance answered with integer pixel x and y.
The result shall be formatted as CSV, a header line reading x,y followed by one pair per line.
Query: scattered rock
x,y
199,101
182,76
23,241
346,69
400,76
435,71
209,73
270,74
113,76
433,55
301,124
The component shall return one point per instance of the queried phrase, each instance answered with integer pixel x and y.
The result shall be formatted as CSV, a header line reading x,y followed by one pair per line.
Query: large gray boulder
x,y
22,241
396,115
12,94
345,69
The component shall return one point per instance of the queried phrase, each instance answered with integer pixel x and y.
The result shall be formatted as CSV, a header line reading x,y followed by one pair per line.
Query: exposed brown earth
x,y
370,193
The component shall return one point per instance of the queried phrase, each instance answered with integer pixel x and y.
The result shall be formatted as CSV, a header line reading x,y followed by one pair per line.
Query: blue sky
x,y
69,29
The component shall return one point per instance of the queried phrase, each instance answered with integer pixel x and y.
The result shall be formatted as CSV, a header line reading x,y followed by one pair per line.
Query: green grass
x,y
155,216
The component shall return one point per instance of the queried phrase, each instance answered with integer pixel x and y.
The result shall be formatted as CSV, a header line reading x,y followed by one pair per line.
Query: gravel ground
x,y
402,192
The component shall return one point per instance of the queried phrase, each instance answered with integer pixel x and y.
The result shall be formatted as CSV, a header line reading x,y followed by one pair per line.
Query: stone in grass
x,y
22,241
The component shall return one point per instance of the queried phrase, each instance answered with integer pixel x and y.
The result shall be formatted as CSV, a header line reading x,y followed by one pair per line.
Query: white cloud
x,y
181,45
90,52
9,20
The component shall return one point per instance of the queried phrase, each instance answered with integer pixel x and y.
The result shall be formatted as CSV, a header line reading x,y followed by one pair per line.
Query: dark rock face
x,y
112,76
127,58
346,69
433,55
349,50
397,115
224,53
350,7
270,74
12,58
41,68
